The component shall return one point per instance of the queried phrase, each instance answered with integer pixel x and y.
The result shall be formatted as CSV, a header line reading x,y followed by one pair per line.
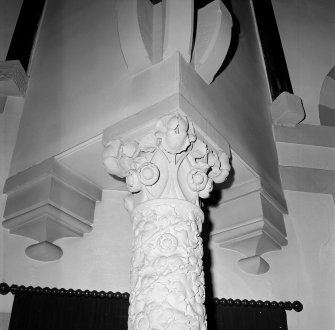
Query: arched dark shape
x,y
327,100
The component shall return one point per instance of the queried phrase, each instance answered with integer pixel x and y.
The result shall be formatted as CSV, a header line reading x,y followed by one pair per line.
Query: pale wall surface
x,y
307,32
79,85
4,321
9,124
99,261
71,95
303,271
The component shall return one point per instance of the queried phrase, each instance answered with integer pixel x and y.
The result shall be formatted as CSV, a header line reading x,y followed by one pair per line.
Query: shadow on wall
x,y
213,201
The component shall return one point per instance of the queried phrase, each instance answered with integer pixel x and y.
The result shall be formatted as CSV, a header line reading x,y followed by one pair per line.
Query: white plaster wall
x,y
4,320
9,12
98,261
9,124
79,85
307,31
76,67
304,270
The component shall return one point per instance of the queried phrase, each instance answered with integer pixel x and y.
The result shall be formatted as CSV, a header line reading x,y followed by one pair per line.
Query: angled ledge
x,y
287,110
13,81
48,202
251,224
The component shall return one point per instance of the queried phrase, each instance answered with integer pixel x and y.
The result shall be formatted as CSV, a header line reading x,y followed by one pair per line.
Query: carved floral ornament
x,y
170,162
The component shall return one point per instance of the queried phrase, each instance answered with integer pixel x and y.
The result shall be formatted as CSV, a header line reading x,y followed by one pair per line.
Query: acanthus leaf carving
x,y
170,162
167,280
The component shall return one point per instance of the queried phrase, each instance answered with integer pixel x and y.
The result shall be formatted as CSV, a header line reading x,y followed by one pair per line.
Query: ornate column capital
x,y
169,162
167,170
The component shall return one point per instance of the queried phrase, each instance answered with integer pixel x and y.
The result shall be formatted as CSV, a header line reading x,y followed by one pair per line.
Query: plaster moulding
x,y
167,171
48,202
150,33
13,81
287,110
170,162
137,126
248,221
85,159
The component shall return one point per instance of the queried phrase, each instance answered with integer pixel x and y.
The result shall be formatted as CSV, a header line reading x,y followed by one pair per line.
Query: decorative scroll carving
x,y
167,279
167,171
170,162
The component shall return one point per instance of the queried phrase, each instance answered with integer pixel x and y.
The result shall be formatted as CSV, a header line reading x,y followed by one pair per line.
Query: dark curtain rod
x,y
20,289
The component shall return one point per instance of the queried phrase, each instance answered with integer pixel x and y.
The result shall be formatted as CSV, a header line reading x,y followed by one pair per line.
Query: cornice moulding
x,y
138,125
51,167
48,202
251,224
37,223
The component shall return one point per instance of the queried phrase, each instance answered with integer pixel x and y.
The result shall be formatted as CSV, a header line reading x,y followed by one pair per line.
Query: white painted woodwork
x,y
287,110
48,202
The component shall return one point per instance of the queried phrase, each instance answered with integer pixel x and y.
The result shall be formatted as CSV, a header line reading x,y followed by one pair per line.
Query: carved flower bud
x,y
197,179
175,136
112,148
132,181
167,243
148,174
129,203
142,322
131,149
199,149
213,159
177,121
112,166
207,190
224,161
148,143
224,168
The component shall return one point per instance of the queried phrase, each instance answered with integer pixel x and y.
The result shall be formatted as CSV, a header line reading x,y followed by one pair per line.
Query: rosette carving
x,y
169,169
167,280
170,162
